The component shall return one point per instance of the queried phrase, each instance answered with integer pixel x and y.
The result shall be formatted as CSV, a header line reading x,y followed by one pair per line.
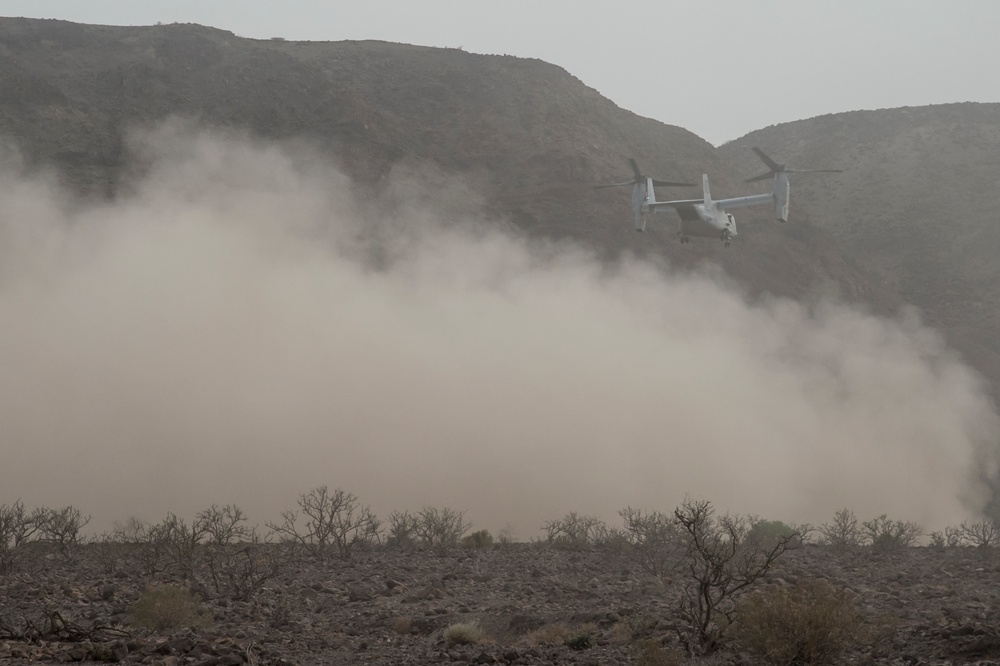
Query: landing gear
x,y
726,237
685,239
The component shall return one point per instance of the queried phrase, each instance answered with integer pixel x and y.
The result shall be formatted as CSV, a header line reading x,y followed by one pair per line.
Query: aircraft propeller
x,y
640,178
775,168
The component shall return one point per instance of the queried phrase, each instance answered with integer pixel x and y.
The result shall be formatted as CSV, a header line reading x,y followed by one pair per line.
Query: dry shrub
x,y
479,540
651,652
168,607
811,623
550,634
632,628
402,624
462,633
558,633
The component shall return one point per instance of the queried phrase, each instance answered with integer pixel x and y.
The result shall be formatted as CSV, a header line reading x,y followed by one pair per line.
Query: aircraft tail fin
x,y
707,194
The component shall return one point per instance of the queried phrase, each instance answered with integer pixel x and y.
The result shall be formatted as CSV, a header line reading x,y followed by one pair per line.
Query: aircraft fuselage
x,y
715,223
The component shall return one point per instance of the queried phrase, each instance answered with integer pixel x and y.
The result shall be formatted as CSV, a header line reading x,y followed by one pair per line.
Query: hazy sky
x,y
720,68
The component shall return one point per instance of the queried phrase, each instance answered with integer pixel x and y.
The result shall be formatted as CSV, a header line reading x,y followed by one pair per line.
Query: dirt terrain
x,y
534,604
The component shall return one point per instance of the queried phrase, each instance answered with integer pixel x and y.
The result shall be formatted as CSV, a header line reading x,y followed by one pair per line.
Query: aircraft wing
x,y
684,207
740,202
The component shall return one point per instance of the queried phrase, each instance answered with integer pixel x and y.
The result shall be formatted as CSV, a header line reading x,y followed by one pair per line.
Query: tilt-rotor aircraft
x,y
708,217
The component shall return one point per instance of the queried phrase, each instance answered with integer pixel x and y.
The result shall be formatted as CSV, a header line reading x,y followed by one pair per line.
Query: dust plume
x,y
241,326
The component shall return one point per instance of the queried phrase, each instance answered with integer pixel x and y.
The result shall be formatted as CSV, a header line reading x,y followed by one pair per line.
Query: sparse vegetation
x,y
279,614
810,623
770,531
889,536
402,527
462,633
402,624
156,547
440,529
62,527
582,640
330,521
728,603
242,570
479,540
554,633
651,652
110,551
17,528
980,534
656,541
723,561
224,525
843,532
574,530
505,537
167,607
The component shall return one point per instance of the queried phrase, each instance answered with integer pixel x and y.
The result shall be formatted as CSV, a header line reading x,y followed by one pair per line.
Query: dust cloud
x,y
241,326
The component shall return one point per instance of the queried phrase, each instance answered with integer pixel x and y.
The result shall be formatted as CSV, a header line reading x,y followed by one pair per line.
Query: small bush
x,y
401,530
505,537
279,615
771,531
650,652
560,633
18,527
843,532
479,540
806,624
656,541
402,624
167,607
888,536
241,571
981,534
224,525
441,529
463,633
550,634
574,531
330,520
724,562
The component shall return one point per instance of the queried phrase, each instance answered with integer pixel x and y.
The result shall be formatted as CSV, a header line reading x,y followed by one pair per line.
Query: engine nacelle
x,y
638,202
781,196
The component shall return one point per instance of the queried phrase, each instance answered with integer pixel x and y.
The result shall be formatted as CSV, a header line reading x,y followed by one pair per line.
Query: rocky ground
x,y
532,603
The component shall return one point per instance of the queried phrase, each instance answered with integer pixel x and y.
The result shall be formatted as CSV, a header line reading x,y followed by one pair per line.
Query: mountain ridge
x,y
540,140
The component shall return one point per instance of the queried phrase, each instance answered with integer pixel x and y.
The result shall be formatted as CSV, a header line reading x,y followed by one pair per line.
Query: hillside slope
x,y
535,138
911,220
917,206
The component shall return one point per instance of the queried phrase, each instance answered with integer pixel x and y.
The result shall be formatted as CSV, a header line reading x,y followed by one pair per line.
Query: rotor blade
x,y
667,183
627,182
771,164
635,169
763,176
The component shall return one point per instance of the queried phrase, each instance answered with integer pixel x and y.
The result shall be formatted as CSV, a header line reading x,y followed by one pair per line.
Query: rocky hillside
x,y
531,604
910,221
536,138
917,207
